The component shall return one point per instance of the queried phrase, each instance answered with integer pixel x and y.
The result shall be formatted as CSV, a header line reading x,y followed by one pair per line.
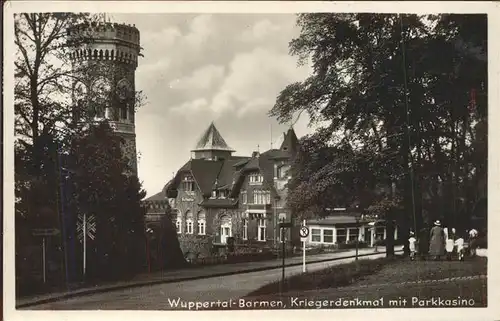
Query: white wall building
x,y
341,229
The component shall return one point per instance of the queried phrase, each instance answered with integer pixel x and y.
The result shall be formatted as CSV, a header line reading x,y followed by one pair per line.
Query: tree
x,y
53,184
42,112
101,188
395,111
43,77
170,248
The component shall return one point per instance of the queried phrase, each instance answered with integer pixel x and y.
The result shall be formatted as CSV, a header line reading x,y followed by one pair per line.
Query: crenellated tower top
x,y
105,41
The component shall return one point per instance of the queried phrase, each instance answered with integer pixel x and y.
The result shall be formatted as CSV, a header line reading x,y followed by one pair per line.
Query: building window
x,y
257,197
261,197
315,235
189,222
261,232
222,194
188,184
124,112
244,197
178,222
353,234
341,235
225,228
256,179
245,229
214,194
201,224
283,171
327,236
379,233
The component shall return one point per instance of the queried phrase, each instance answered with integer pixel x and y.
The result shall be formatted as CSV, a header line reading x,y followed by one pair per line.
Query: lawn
x,y
338,275
420,283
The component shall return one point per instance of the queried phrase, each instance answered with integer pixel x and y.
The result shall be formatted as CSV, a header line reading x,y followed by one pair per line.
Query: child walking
x,y
459,243
450,244
412,242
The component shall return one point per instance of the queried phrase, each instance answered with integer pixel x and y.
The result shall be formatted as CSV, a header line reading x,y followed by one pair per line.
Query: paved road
x,y
159,297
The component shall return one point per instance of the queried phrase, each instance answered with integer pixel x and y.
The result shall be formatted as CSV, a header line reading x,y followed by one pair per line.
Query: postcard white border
x,y
422,7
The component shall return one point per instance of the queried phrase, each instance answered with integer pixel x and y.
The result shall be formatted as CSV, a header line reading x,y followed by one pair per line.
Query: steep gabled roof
x,y
262,163
160,196
212,140
290,141
227,173
278,154
205,173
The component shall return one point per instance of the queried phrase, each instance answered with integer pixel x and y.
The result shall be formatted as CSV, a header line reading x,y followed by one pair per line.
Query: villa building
x,y
216,196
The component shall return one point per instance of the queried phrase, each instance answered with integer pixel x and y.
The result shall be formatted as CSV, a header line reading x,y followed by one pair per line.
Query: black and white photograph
x,y
202,160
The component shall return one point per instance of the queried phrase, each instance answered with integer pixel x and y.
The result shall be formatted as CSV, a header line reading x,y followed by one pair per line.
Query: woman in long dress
x,y
437,241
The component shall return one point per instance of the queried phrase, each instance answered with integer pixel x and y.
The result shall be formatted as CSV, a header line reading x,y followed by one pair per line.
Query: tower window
x,y
123,112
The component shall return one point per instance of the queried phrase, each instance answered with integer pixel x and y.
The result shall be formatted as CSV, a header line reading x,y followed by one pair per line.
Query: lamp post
x,y
149,233
357,216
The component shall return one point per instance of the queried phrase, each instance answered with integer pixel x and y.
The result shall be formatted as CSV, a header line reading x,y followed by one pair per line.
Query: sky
x,y
226,68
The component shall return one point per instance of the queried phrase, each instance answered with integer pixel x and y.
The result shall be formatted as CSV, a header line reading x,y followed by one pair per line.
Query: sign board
x,y
285,225
86,223
304,231
45,232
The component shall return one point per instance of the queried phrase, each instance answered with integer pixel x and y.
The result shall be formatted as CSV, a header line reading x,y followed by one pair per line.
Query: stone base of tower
x,y
129,151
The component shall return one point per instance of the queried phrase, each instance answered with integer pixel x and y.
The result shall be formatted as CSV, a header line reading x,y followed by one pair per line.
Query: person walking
x,y
473,242
437,241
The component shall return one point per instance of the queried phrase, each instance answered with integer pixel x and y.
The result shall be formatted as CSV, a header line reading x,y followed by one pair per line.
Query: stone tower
x,y
105,57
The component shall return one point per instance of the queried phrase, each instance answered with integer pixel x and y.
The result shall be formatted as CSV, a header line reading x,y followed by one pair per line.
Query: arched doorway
x,y
225,228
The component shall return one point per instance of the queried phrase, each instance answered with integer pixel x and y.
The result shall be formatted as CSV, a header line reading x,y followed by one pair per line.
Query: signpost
x,y
283,225
304,232
44,232
85,227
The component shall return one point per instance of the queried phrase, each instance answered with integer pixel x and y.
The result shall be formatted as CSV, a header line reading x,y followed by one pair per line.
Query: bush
x,y
383,242
352,245
482,242
231,258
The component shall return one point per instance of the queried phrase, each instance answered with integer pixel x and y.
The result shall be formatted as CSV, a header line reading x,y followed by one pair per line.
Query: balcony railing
x,y
254,206
122,127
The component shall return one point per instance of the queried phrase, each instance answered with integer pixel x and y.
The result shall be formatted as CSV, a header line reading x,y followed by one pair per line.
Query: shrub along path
x,y
184,274
421,283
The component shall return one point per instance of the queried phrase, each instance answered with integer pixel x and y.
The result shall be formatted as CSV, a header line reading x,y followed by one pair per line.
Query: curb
x,y
84,292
